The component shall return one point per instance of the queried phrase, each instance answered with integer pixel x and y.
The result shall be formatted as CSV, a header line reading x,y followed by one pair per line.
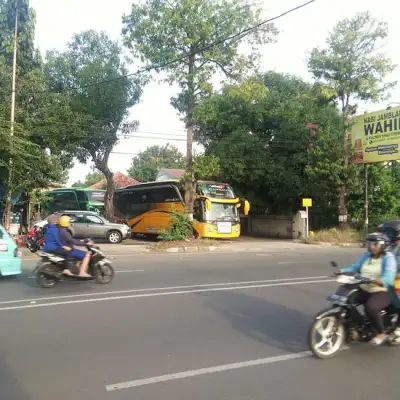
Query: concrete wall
x,y
284,227
271,226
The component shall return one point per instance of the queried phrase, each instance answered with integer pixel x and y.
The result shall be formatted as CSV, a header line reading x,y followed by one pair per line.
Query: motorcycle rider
x,y
52,240
69,244
379,265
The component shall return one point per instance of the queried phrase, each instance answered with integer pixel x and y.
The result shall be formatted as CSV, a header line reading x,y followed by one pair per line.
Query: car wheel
x,y
114,237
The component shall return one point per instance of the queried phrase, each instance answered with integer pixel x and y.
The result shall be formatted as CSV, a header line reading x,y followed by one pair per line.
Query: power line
x,y
201,50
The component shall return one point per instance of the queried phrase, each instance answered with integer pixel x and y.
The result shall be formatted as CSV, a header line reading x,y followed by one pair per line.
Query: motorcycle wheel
x,y
332,334
43,280
104,274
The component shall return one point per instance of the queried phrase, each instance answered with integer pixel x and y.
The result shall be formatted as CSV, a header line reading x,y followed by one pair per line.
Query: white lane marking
x,y
263,255
210,370
203,371
287,262
136,296
160,288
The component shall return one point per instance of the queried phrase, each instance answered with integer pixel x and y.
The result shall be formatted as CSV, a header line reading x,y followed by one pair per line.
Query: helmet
x,y
64,221
380,238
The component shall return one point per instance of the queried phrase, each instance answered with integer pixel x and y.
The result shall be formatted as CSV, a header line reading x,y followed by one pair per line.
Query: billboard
x,y
375,137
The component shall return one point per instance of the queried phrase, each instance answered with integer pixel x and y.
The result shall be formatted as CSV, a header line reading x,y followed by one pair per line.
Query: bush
x,y
335,236
181,227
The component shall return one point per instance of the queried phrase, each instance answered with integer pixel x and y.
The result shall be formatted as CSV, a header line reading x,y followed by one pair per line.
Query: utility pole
x,y
342,187
7,205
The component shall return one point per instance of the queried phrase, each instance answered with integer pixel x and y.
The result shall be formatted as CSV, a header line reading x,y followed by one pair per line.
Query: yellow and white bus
x,y
147,207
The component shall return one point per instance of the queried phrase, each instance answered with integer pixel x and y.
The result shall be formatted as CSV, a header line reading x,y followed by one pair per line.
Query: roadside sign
x,y
307,202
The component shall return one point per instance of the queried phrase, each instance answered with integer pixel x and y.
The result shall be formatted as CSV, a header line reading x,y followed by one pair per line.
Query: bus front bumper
x,y
218,231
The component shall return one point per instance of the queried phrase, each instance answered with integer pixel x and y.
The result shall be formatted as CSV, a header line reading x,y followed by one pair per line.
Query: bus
x,y
147,207
74,199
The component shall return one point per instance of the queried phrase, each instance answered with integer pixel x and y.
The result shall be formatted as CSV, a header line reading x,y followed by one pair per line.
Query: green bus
x,y
74,199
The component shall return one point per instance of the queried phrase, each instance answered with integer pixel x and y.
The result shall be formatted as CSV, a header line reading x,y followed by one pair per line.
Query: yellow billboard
x,y
375,137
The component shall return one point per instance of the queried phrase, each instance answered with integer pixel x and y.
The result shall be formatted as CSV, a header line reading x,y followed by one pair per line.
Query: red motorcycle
x,y
35,239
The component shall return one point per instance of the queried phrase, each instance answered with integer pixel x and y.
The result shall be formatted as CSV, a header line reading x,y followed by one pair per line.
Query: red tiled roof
x,y
119,179
176,173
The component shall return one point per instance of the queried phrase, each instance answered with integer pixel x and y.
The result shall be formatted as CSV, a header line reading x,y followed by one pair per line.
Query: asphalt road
x,y
198,326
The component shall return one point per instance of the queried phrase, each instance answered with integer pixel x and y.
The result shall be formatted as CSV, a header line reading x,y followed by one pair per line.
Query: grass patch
x,y
335,236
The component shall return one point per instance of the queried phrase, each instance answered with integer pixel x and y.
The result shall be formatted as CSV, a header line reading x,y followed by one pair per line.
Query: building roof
x,y
165,174
119,180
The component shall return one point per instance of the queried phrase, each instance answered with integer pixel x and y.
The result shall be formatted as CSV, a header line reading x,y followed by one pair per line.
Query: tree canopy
x,y
92,72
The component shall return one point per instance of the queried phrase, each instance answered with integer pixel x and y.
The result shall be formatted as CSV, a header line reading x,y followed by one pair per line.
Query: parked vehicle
x,y
48,271
337,324
35,239
10,260
89,224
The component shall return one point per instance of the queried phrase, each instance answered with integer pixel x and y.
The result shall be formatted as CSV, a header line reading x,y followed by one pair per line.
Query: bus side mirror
x,y
246,207
208,205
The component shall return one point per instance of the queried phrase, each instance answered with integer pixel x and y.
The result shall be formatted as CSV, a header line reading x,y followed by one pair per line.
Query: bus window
x,y
164,194
81,199
65,200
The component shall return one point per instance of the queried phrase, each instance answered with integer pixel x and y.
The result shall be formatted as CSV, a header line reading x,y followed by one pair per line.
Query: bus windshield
x,y
95,196
222,212
215,190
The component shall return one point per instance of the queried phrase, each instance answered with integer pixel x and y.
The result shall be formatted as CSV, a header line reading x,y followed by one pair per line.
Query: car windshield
x,y
222,212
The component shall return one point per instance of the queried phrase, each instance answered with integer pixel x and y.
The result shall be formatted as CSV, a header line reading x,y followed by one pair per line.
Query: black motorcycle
x,y
48,271
346,320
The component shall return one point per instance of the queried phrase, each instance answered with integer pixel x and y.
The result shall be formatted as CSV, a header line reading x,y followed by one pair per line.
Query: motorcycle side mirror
x,y
334,264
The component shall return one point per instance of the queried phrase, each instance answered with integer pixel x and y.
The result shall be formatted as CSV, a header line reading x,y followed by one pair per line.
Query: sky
x,y
300,32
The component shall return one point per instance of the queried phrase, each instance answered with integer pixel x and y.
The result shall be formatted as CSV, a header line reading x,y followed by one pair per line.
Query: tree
x,y
351,68
28,57
258,129
184,38
147,163
92,75
31,165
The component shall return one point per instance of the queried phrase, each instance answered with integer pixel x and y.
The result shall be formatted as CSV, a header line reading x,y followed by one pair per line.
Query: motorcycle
x,y
346,321
48,271
35,240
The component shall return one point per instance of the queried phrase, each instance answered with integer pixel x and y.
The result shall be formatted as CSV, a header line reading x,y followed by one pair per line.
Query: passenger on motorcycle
x,y
52,240
379,265
69,244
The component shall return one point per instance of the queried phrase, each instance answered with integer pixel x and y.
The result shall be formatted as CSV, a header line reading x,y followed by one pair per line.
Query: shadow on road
x,y
9,383
262,320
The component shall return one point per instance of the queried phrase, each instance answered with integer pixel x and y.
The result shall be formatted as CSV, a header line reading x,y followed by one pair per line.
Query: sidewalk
x,y
261,245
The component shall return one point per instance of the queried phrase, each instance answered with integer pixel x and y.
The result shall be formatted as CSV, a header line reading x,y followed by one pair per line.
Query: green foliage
x,y
37,196
351,66
33,166
181,227
28,58
258,131
147,163
206,167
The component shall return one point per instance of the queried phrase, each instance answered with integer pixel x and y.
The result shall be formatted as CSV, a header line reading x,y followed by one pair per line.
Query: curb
x,y
195,249
347,245
204,249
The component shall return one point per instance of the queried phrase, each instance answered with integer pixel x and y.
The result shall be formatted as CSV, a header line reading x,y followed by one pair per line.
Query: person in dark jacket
x,y
69,244
52,240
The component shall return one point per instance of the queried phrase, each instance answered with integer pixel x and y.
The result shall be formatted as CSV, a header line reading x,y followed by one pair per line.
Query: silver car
x,y
88,224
